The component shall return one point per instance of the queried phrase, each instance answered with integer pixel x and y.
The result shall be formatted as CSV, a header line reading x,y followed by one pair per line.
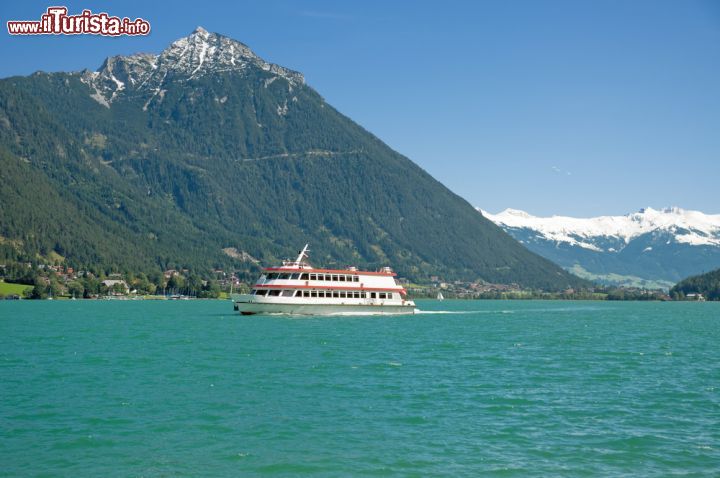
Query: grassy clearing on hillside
x,y
10,289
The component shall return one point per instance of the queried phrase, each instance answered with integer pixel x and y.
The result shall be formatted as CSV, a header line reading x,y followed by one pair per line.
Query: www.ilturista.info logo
x,y
57,22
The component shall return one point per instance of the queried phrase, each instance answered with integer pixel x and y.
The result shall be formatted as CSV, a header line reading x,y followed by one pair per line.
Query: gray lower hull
x,y
249,308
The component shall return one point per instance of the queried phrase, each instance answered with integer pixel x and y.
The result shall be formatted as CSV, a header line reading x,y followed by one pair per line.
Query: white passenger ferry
x,y
298,288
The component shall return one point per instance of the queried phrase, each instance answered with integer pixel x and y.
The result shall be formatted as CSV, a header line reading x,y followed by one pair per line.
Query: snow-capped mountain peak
x,y
187,58
649,248
690,227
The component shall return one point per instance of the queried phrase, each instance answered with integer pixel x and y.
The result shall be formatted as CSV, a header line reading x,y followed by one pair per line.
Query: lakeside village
x,y
42,281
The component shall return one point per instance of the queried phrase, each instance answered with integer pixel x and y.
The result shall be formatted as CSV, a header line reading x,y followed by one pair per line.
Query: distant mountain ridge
x,y
646,248
172,160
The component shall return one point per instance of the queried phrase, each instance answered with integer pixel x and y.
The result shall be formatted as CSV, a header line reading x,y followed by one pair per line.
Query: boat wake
x,y
461,312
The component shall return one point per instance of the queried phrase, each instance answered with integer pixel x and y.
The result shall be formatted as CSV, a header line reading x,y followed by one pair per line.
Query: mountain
x,y
649,248
205,155
708,285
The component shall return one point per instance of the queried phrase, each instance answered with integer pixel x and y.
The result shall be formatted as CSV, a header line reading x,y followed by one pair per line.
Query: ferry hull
x,y
251,308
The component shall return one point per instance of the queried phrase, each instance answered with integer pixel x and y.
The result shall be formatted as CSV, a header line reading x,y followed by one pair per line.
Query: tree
x,y
118,288
176,282
40,290
76,289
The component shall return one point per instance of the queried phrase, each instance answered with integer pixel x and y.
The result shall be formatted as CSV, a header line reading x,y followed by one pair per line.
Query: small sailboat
x,y
440,296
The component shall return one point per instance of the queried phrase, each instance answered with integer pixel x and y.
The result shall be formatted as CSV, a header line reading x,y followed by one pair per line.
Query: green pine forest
x,y
707,284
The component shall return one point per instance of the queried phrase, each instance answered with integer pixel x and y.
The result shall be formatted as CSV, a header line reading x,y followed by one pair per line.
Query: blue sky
x,y
555,107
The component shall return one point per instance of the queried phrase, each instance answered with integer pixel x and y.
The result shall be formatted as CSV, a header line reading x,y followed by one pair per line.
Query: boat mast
x,y
302,254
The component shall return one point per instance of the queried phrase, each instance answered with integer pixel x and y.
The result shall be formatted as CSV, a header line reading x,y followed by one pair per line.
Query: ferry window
x,y
304,276
295,276
381,295
274,293
372,295
325,277
271,276
356,279
341,278
335,277
363,295
313,293
312,276
356,295
287,293
336,294
284,276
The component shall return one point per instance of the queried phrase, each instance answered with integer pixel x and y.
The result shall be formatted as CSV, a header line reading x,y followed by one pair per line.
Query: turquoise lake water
x,y
466,388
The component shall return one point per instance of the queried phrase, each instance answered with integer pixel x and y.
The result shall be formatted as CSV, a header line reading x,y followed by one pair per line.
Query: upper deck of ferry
x,y
300,275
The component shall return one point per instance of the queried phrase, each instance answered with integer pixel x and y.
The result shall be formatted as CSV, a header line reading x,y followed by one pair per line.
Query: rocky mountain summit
x,y
200,53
